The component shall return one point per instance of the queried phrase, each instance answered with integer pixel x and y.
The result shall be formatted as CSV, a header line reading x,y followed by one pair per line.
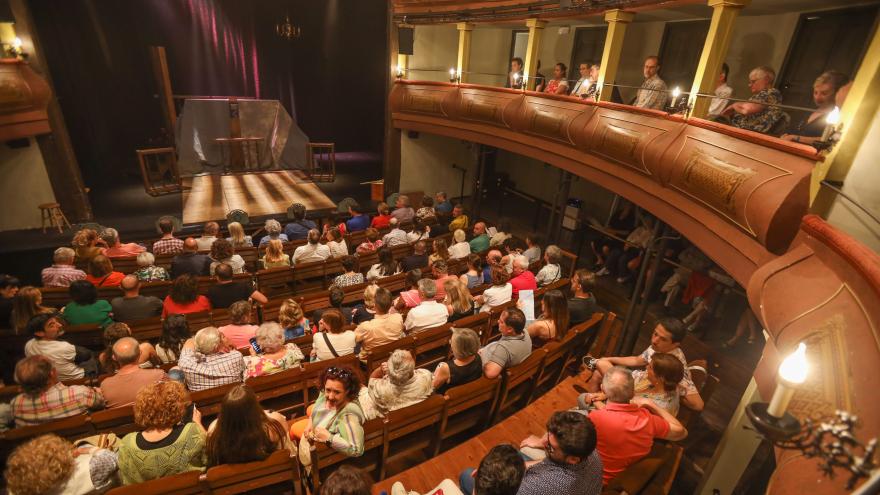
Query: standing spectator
x,y
480,242
459,219
652,94
175,333
240,330
223,252
760,113
237,237
426,213
442,206
465,365
500,293
371,244
559,84
147,270
208,237
521,278
383,219
382,329
275,256
351,276
553,323
208,360
86,308
461,248
101,273
358,221
723,92
813,126
121,388
299,228
582,306
473,277
226,291
51,464
167,244
313,251
275,356
68,360
403,212
243,431
336,243
185,298
514,347
395,385
44,398
396,237
429,313
273,232
132,306
293,320
190,261
62,272
551,271
116,249
386,265
331,341
27,304
416,260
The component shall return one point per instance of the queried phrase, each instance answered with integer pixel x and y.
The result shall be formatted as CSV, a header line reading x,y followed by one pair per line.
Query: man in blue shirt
x,y
299,228
358,220
442,204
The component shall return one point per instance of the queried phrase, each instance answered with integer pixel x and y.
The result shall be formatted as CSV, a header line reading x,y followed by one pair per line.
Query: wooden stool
x,y
52,213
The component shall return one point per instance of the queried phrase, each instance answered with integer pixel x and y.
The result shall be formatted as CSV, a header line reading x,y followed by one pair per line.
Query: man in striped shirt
x,y
44,398
62,272
168,244
208,360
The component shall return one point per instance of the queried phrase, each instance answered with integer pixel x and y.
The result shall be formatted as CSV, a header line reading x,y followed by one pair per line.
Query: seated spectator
x,y
147,270
122,388
223,252
558,85
172,440
273,232
331,341
410,298
403,212
226,291
659,381
493,258
87,245
666,338
760,113
473,277
426,213
101,274
513,348
813,126
395,385
275,355
184,297
502,233
9,287
367,310
208,237
51,464
568,461
44,398
85,307
113,334
336,243
582,306
299,228
243,431
514,247
347,480
312,251
335,299
551,271
275,256
458,300
440,272
115,248
500,472
500,293
209,360
237,237
722,92
521,278
582,86
68,360
459,219
441,252
419,232
653,93
465,365
383,219
442,204
190,261
429,313
624,262
175,332
62,272
293,320
240,330
480,242
27,304
336,418
627,426
533,251
371,244
167,244
396,237
352,275
553,321
416,260
383,329
358,221
461,248
386,266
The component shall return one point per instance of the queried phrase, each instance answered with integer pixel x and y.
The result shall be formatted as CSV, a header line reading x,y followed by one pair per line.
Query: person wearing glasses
x,y
653,92
760,113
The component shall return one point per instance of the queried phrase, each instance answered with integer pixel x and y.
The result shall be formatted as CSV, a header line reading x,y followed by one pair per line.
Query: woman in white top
x,y
336,243
500,292
386,265
551,272
419,232
223,252
461,248
330,341
313,251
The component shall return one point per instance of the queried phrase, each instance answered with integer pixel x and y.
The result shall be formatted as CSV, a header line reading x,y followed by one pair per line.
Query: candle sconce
x,y
454,76
832,132
678,104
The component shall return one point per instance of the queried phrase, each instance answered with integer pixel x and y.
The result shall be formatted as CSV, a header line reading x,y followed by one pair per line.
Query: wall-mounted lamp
x,y
398,71
14,49
676,105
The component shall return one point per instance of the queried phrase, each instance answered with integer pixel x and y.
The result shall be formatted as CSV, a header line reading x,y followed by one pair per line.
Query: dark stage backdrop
x,y
331,80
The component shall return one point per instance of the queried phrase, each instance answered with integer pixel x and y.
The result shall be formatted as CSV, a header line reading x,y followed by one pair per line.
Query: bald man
x,y
480,242
132,306
122,388
190,261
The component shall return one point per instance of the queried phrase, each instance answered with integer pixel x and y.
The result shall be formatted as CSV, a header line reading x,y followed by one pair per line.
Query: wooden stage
x,y
210,197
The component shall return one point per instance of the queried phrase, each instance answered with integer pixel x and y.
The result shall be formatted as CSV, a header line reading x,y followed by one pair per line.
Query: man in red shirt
x,y
627,426
116,248
521,278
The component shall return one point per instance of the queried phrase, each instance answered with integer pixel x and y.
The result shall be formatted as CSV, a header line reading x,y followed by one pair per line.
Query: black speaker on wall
x,y
405,40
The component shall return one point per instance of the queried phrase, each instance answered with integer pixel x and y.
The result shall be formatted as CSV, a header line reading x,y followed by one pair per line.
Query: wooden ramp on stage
x,y
209,197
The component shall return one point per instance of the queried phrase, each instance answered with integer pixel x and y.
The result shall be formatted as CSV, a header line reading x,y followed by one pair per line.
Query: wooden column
x,y
464,49
617,20
163,81
724,16
536,32
391,145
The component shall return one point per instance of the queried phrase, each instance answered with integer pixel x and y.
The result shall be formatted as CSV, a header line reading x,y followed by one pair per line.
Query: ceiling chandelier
x,y
287,30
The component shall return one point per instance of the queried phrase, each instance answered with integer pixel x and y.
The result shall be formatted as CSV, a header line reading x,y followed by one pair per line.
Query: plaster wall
x,y
435,50
426,164
24,184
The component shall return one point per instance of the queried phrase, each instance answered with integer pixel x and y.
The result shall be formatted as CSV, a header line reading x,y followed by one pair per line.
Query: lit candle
x,y
792,372
452,77
831,122
675,94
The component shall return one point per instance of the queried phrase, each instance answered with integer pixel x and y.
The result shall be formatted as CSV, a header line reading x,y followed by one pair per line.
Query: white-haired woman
x,y
760,113
275,355
147,270
273,231
461,248
551,272
395,385
465,365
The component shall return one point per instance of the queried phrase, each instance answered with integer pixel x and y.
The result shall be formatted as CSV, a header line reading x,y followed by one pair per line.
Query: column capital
x,y
535,23
617,15
729,3
465,26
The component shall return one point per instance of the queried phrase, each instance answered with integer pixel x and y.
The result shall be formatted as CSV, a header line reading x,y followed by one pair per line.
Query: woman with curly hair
x,y
273,231
172,440
293,320
223,252
184,297
87,244
243,431
100,272
51,464
27,303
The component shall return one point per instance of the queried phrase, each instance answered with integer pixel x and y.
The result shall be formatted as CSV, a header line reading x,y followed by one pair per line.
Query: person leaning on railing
x,y
760,113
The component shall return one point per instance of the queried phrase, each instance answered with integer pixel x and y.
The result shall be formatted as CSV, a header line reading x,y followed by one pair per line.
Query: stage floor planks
x,y
209,197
